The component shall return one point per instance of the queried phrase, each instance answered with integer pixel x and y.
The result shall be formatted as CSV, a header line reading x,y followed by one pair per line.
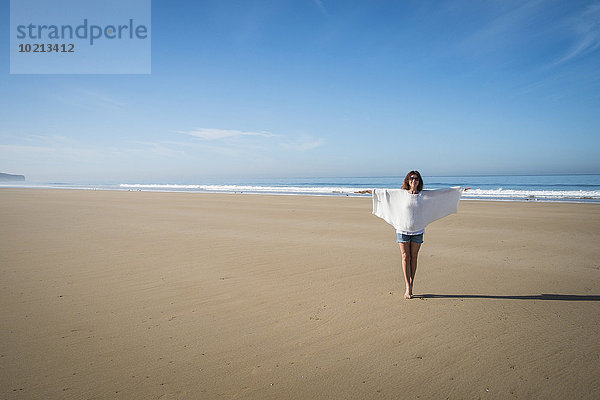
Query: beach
x,y
142,295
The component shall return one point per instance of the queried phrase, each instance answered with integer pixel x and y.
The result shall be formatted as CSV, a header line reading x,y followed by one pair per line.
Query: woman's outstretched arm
x,y
370,191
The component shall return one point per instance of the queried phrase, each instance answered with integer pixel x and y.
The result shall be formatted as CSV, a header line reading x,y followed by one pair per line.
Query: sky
x,y
319,88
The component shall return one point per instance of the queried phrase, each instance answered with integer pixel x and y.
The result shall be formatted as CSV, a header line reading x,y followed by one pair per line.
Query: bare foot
x,y
408,294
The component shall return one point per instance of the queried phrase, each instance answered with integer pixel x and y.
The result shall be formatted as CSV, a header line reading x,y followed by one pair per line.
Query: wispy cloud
x,y
101,99
303,143
45,153
225,150
87,99
52,147
506,28
586,29
158,148
215,134
321,6
295,143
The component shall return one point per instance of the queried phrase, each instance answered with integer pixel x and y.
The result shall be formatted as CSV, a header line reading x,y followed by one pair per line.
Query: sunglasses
x,y
414,178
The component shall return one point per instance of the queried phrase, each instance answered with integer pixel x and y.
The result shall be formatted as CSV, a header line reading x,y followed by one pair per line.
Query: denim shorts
x,y
402,238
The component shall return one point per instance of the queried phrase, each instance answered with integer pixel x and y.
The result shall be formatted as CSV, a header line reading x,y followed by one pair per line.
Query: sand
x,y
139,295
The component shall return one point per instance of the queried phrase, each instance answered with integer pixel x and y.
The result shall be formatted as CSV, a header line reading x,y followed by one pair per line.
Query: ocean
x,y
542,188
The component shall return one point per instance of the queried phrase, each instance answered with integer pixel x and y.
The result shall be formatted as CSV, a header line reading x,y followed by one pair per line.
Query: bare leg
x,y
414,253
406,268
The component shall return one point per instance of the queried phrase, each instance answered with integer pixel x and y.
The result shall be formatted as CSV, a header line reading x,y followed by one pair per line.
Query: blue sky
x,y
253,89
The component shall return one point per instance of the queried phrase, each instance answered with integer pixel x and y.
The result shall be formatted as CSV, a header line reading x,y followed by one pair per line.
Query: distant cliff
x,y
9,177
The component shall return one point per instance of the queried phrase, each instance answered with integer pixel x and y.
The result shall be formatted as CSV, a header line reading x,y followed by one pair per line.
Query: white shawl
x,y
411,213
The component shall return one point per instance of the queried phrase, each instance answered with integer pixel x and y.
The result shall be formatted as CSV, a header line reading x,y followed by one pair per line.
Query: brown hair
x,y
406,185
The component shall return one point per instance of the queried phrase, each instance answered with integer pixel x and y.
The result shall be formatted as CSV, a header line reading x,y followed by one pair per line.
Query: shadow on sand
x,y
543,296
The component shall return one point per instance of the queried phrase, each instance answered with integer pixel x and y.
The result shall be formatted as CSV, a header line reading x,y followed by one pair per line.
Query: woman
x,y
410,210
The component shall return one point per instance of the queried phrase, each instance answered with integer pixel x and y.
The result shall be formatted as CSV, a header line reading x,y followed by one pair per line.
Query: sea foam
x,y
475,194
